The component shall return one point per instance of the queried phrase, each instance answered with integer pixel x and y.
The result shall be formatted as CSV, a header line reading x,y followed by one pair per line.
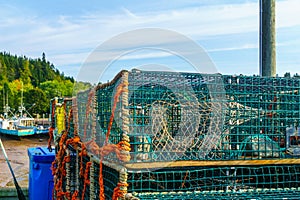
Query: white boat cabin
x,y
7,124
25,122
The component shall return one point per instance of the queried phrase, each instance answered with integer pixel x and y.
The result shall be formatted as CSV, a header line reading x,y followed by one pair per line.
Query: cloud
x,y
129,13
68,39
245,46
65,32
287,13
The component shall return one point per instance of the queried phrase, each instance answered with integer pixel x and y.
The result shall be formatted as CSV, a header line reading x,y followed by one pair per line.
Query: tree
x,y
37,78
3,70
25,73
57,88
80,86
36,101
43,57
51,89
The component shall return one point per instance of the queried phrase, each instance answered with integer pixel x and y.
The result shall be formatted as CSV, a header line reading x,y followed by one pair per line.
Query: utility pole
x,y
267,49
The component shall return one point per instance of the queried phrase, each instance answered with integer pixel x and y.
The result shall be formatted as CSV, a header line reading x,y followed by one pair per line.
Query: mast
x,y
5,104
3,99
21,108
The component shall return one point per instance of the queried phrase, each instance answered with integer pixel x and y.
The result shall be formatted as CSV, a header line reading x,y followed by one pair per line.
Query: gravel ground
x,y
16,149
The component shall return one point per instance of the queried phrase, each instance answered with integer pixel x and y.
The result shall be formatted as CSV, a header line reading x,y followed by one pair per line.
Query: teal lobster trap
x,y
172,135
187,116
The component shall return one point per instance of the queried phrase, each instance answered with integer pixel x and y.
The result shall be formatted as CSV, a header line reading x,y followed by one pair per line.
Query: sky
x,y
68,32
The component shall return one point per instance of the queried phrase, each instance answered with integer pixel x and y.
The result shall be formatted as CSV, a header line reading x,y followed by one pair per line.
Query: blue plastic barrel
x,y
40,174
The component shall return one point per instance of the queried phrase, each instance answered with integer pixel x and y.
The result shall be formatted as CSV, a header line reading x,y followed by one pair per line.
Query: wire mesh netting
x,y
235,179
259,182
263,194
168,116
187,116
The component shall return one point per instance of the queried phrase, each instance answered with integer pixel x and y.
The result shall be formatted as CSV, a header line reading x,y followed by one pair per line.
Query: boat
x,y
25,122
42,125
12,126
22,124
40,129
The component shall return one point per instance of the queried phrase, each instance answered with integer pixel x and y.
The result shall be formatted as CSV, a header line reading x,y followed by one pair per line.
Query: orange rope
x,y
73,141
51,129
184,179
70,115
59,155
58,165
58,170
53,113
68,195
108,148
75,115
101,184
81,155
118,192
61,195
89,109
86,178
75,195
119,91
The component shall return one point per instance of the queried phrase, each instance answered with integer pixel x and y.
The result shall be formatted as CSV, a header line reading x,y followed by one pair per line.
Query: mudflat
x,y
16,149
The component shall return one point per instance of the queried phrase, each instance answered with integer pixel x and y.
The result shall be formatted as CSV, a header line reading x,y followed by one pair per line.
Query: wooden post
x,y
267,54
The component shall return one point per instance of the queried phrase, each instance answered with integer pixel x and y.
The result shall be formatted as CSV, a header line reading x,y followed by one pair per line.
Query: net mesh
x,y
235,179
191,182
168,116
186,116
263,194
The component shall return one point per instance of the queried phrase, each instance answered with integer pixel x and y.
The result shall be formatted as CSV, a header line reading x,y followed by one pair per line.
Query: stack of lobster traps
x,y
171,135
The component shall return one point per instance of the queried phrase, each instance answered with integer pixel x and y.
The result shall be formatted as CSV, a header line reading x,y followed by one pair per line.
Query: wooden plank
x,y
151,165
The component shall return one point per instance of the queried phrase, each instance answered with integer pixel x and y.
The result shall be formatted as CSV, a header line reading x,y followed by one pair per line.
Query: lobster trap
x,y
169,135
184,116
217,182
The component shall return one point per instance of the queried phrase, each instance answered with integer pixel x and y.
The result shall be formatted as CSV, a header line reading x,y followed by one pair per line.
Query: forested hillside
x,y
38,78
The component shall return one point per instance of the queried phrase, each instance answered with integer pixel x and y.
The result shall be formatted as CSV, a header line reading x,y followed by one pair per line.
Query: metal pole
x,y
267,53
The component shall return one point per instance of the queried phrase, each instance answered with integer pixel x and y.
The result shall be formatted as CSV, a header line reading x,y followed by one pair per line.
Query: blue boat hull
x,y
37,130
41,131
21,132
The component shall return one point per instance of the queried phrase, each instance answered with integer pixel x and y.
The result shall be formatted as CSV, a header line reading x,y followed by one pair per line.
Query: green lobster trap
x,y
163,135
187,116
215,182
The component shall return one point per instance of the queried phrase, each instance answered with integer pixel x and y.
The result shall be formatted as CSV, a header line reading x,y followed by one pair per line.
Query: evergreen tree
x,y
39,80
25,73
3,70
